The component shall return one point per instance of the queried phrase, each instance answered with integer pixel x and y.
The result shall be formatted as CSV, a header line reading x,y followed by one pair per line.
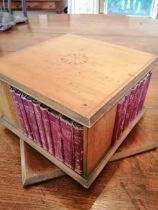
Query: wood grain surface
x,y
137,141
131,183
7,106
88,88
34,167
99,138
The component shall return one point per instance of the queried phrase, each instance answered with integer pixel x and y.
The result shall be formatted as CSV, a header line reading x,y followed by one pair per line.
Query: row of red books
x,y
130,106
55,133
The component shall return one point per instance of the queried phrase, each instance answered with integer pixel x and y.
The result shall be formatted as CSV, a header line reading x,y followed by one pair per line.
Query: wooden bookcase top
x,y
79,77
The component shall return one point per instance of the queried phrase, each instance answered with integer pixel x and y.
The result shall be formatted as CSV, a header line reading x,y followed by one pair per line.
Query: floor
x,y
131,183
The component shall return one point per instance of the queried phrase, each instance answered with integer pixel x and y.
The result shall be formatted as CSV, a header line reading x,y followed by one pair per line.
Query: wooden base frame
x,y
35,168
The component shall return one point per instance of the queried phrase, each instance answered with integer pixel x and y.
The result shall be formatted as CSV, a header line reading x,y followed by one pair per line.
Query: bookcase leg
x,y
35,168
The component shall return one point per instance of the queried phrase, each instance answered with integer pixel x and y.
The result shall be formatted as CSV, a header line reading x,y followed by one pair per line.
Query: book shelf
x,y
35,168
77,84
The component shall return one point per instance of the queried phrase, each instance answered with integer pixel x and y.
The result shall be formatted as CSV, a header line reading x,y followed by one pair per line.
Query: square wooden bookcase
x,y
74,100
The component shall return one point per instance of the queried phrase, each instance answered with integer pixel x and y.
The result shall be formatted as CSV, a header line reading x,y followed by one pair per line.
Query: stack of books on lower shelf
x,y
60,136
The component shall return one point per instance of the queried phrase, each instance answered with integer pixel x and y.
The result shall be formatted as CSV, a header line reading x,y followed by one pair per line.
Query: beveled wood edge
x,y
84,181
34,179
127,153
85,121
23,167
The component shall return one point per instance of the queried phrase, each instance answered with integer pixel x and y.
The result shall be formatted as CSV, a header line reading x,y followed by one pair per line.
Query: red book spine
x,y
67,137
17,106
142,82
78,147
47,129
39,120
128,108
28,116
131,105
142,95
146,85
56,135
135,102
23,113
117,120
33,122
123,115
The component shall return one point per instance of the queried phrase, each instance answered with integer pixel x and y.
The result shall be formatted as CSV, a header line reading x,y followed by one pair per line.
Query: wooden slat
x,y
35,168
88,88
7,108
99,139
137,141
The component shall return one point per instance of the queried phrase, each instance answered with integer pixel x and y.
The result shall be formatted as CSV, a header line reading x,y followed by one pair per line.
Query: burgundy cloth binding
x,y
47,128
140,95
39,120
117,120
145,88
56,135
135,102
23,113
123,115
27,110
78,147
127,115
67,137
17,106
33,122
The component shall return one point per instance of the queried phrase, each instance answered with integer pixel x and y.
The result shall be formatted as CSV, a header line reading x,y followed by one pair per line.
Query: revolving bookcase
x,y
74,100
